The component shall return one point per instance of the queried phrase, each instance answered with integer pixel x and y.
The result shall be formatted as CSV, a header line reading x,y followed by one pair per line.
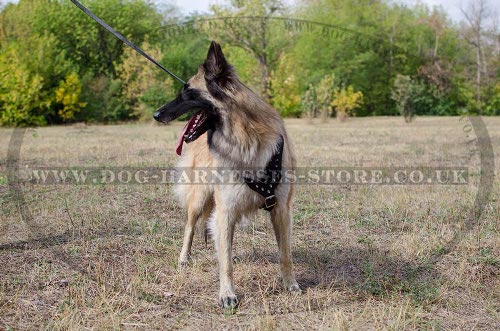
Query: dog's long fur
x,y
244,134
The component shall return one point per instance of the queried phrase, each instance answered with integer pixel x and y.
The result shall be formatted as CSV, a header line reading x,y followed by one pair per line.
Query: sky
x,y
452,7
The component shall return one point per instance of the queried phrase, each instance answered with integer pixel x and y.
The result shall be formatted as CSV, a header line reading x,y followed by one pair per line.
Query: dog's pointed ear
x,y
218,73
215,63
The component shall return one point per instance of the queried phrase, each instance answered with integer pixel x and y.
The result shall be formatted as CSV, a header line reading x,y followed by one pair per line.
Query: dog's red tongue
x,y
188,126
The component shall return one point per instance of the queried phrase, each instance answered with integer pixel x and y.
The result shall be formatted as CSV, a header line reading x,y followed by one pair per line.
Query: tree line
x,y
318,58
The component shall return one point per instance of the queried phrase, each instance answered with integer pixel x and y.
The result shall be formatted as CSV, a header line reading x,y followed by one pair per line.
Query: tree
x,y
476,16
68,94
89,44
324,95
437,22
286,88
309,102
493,106
22,102
32,70
143,88
57,48
257,35
402,93
345,101
49,47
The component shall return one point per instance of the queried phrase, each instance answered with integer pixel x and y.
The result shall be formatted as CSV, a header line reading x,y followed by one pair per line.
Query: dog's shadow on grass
x,y
366,271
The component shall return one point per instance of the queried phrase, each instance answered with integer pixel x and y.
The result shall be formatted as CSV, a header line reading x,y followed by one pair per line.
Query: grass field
x,y
368,257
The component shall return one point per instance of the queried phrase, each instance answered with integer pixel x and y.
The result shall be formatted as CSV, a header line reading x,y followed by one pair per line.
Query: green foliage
x,y
153,98
403,93
68,94
493,106
22,101
105,103
143,90
86,43
325,93
355,48
345,101
257,35
246,66
327,96
286,88
55,44
34,68
57,65
309,102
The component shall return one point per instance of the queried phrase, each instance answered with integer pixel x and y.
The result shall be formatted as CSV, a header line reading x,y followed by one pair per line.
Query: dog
x,y
233,128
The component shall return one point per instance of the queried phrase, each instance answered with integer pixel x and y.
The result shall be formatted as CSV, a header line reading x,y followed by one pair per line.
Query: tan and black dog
x,y
233,128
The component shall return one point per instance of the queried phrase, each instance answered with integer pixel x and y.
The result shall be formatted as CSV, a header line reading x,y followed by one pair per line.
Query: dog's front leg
x,y
224,230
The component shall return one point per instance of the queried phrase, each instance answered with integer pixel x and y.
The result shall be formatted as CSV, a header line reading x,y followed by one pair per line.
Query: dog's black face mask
x,y
188,99
217,74
200,122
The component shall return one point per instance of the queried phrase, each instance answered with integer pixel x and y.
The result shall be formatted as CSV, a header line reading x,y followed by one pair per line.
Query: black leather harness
x,y
270,178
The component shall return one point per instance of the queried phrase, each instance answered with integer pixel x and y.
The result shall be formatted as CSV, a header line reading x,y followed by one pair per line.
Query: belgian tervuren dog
x,y
232,128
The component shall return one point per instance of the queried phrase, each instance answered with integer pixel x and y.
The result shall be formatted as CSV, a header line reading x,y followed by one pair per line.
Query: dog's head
x,y
204,94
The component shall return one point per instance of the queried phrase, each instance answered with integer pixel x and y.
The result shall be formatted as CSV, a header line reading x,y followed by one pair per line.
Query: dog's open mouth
x,y
195,127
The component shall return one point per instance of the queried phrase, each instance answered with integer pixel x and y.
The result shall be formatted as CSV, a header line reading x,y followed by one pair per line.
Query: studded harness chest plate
x,y
266,185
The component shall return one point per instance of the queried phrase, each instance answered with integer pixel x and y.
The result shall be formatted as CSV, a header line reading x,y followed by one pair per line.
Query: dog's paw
x,y
229,304
294,289
182,264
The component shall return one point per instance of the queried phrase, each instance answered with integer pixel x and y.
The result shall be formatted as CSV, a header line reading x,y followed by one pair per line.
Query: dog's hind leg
x,y
199,209
281,218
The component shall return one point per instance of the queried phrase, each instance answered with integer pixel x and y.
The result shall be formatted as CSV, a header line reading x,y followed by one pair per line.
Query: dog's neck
x,y
247,133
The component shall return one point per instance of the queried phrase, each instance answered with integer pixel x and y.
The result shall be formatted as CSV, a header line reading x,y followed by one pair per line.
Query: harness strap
x,y
266,185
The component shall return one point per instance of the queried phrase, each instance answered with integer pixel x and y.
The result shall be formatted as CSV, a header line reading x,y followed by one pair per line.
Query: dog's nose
x,y
156,115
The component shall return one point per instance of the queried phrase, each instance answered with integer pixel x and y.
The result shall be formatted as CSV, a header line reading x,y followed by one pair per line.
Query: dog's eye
x,y
186,86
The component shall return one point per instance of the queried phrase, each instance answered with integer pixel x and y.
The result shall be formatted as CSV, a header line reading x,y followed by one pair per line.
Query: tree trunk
x,y
436,45
478,80
264,65
266,80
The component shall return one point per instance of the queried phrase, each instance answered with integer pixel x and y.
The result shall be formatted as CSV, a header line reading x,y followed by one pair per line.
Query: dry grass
x,y
368,257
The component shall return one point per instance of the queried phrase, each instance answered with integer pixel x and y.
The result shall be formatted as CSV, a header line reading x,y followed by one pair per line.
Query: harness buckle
x,y
270,201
